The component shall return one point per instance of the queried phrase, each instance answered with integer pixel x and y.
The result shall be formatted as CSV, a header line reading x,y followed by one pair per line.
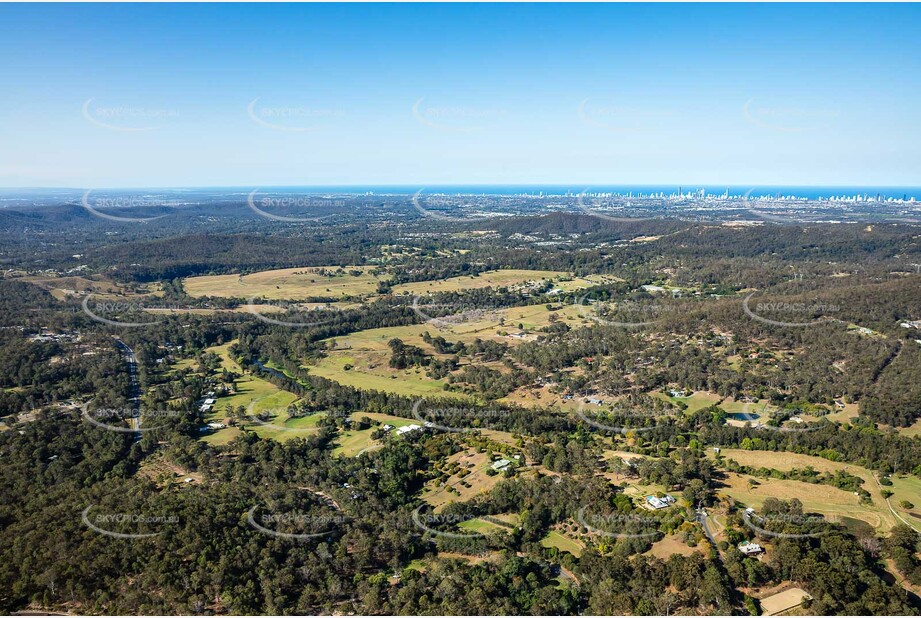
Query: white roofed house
x,y
501,464
750,549
408,429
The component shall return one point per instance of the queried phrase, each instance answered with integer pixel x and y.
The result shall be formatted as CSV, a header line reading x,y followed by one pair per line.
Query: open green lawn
x,y
351,443
482,526
563,543
697,401
907,487
256,396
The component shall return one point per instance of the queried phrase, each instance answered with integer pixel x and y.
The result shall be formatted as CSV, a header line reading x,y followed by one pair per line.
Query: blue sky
x,y
217,95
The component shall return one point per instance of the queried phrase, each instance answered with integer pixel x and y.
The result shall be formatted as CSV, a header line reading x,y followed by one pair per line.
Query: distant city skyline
x,y
581,96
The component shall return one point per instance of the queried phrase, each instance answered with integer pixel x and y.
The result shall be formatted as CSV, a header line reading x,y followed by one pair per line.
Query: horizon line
x,y
423,186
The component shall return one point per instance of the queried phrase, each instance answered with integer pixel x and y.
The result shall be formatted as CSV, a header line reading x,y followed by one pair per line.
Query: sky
x,y
140,95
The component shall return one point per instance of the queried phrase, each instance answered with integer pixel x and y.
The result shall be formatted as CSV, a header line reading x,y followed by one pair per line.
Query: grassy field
x,y
580,283
351,443
256,396
287,283
782,601
482,526
697,401
669,546
912,430
63,288
907,487
825,499
831,502
563,543
493,278
367,355
477,479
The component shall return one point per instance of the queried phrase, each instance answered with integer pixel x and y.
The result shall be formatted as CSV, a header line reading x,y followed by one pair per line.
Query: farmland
x,y
361,359
830,501
494,278
288,284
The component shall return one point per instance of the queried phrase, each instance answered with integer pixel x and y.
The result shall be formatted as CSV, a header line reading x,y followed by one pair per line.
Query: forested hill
x,y
564,223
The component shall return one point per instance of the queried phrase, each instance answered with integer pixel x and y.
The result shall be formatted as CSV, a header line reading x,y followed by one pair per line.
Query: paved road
x,y
135,394
704,523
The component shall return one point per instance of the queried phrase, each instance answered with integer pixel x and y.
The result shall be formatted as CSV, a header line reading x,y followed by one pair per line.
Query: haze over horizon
x,y
147,96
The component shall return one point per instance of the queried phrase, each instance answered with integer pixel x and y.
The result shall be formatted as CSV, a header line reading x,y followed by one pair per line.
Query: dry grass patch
x,y
288,283
471,481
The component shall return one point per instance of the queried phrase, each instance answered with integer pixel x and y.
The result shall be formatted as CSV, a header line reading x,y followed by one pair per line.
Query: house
x,y
502,464
205,408
839,405
750,549
408,429
216,425
660,503
386,427
595,402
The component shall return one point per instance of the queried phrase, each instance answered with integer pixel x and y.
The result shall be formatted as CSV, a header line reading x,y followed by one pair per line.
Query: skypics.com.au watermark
x,y
619,525
787,118
427,521
427,210
123,203
262,206
445,315
291,119
624,313
620,118
617,419
126,119
454,118
456,419
305,317
796,309
784,521
118,312
102,523
596,208
266,523
104,418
